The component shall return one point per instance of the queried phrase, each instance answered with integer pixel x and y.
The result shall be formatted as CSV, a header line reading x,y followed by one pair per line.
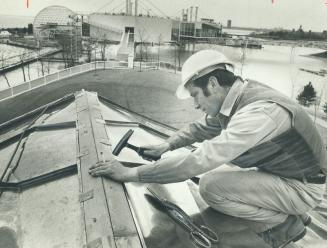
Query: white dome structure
x,y
52,17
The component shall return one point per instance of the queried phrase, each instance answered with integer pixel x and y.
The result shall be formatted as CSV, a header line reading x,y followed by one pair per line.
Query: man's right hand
x,y
151,151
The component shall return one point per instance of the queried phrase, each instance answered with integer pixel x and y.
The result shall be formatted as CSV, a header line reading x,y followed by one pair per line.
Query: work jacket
x,y
297,153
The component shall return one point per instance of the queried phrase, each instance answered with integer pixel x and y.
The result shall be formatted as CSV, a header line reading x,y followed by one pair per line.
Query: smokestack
x,y
131,9
182,14
191,13
187,15
135,7
126,7
196,13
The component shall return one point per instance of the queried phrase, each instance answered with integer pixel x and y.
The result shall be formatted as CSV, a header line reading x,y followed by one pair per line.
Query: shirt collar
x,y
232,96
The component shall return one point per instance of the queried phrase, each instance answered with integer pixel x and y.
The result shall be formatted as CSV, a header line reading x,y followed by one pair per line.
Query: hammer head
x,y
122,143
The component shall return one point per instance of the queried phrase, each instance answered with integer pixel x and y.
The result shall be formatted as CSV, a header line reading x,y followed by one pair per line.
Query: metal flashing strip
x,y
167,129
45,127
65,99
39,180
108,212
137,124
86,196
55,126
146,127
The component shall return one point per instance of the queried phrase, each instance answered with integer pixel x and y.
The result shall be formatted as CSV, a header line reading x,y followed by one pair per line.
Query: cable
x,y
206,14
117,6
157,8
146,8
103,6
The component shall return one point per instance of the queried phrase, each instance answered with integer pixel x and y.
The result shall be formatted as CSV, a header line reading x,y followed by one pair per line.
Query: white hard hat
x,y
200,64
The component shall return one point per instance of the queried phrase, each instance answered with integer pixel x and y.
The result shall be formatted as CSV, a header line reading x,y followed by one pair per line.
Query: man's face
x,y
210,104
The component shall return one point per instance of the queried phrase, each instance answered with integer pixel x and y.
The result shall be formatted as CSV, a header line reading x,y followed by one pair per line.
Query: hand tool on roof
x,y
140,151
202,236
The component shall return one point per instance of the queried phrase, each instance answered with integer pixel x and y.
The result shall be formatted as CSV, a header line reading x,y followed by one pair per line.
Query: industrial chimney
x,y
135,7
196,13
130,8
191,13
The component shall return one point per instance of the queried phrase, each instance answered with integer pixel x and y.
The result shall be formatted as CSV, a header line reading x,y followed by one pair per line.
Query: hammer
x,y
140,151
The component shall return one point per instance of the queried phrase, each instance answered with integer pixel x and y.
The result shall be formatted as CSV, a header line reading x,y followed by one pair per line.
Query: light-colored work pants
x,y
258,196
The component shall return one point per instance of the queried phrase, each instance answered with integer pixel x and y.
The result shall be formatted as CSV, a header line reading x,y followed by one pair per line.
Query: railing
x,y
155,65
169,66
53,77
72,71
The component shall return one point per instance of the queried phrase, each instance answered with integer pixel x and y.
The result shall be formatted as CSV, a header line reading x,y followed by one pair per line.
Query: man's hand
x,y
155,150
115,170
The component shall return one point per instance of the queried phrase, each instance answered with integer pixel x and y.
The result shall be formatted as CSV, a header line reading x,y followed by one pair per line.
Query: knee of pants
x,y
208,187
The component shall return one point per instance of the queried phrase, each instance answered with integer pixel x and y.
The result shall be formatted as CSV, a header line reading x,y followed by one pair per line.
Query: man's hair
x,y
225,79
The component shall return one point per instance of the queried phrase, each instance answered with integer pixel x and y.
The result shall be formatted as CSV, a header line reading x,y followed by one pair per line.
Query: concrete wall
x,y
145,28
104,33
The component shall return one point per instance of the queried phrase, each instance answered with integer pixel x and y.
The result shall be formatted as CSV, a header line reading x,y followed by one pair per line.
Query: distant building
x,y
140,28
207,20
204,29
229,24
59,25
150,29
4,36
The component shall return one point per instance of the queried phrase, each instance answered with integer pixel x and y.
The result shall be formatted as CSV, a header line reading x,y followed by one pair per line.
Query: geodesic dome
x,y
52,16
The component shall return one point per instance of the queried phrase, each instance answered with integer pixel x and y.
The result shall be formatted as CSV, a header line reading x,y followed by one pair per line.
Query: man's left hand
x,y
115,170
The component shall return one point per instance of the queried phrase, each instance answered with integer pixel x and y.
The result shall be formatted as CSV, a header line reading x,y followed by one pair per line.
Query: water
x,y
276,66
11,54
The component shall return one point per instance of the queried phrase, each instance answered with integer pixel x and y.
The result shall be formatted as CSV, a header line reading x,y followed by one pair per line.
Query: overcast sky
x,y
311,14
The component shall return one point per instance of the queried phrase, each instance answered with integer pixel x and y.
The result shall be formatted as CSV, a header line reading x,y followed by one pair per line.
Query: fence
x,y
69,72
53,77
155,65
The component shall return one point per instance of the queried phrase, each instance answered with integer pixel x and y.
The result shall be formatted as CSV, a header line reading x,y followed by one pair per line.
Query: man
x,y
249,125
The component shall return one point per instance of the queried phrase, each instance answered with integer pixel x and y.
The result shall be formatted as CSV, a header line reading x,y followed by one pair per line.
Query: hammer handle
x,y
140,152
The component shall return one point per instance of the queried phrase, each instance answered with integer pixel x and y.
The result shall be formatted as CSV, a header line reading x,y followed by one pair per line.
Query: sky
x,y
287,14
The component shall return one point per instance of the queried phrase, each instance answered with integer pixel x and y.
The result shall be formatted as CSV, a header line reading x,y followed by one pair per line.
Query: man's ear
x,y
213,84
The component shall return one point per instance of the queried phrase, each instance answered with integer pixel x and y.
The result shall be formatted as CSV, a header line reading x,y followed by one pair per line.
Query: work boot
x,y
291,230
306,219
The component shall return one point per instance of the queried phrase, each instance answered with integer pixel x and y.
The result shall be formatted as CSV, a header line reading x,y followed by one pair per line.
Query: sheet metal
x,y
50,215
63,115
46,151
157,228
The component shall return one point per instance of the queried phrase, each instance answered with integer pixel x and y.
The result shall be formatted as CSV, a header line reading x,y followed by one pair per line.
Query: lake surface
x,y
277,66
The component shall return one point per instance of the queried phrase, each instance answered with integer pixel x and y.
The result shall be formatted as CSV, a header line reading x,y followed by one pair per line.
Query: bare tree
x,y
22,60
2,64
39,50
89,45
142,37
159,41
180,46
103,45
65,40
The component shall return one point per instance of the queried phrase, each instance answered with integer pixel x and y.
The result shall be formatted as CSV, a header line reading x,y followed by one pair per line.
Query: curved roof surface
x,y
49,199
43,154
